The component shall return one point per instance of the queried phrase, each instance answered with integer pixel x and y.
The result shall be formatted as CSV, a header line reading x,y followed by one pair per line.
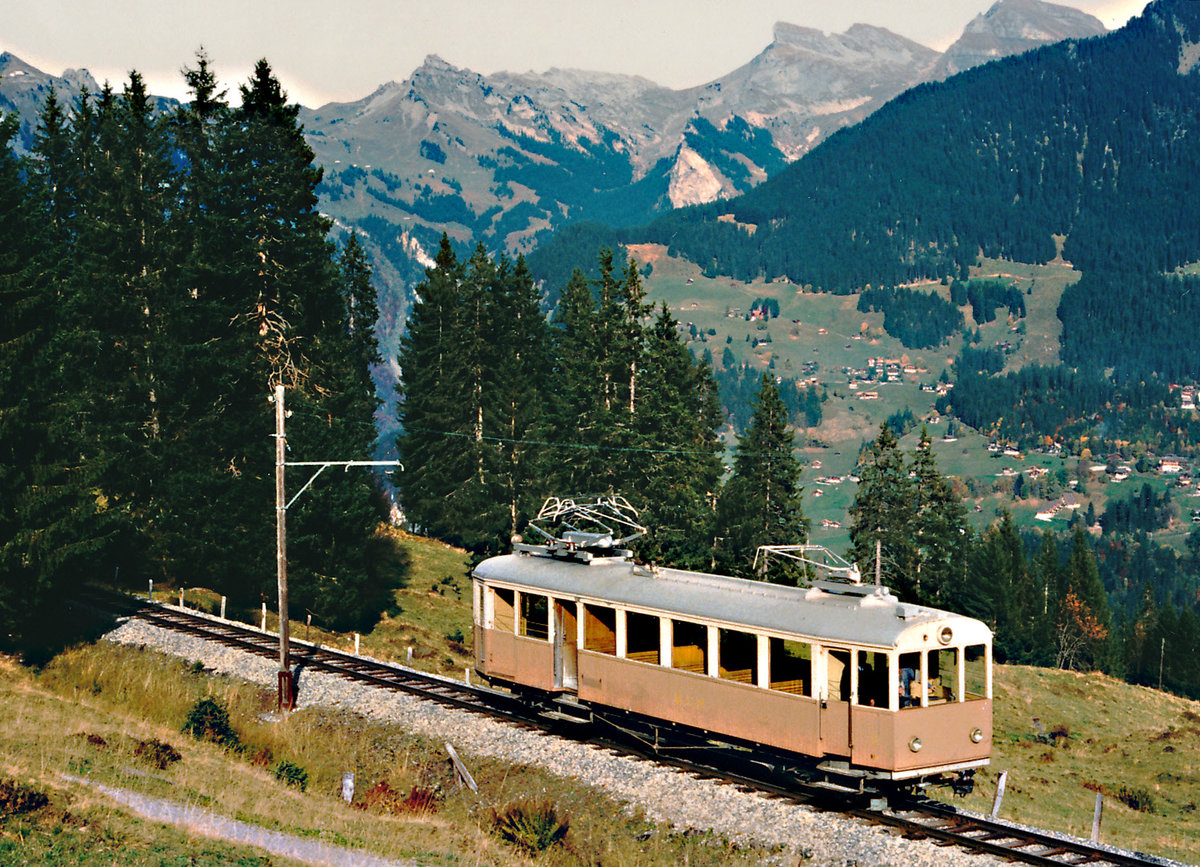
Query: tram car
x,y
839,674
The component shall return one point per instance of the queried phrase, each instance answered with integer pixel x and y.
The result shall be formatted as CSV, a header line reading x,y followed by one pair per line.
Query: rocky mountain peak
x,y
1011,27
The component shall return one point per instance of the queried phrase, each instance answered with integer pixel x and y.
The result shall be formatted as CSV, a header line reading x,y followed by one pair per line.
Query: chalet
x,y
1170,465
1059,508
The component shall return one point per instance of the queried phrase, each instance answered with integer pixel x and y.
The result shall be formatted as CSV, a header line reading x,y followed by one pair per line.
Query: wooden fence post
x,y
999,799
461,774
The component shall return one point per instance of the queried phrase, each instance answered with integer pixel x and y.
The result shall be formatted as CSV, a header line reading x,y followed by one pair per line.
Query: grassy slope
x,y
84,715
1117,735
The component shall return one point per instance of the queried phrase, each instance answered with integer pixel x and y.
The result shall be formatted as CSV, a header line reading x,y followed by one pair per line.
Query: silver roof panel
x,y
873,620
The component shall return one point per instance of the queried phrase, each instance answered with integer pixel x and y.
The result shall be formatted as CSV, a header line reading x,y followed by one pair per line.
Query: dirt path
x,y
206,823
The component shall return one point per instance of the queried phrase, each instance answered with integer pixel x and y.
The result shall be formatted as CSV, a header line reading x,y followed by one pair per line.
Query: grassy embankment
x,y
87,711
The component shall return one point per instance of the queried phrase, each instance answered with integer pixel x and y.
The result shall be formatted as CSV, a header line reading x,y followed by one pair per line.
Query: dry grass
x,y
87,713
1063,736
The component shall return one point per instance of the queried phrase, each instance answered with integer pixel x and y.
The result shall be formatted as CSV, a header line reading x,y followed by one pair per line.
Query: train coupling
x,y
963,783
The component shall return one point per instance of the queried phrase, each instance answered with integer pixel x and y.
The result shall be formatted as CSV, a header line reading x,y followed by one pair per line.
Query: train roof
x,y
864,616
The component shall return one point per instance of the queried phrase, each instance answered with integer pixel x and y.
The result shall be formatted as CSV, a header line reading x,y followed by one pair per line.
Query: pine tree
x,y
939,529
521,397
22,357
676,425
760,503
884,511
114,307
1083,621
438,426
580,418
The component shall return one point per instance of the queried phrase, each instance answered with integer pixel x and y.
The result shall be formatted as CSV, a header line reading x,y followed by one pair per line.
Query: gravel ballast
x,y
663,794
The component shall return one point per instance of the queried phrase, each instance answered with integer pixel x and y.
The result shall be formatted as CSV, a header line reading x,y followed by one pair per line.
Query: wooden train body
x,y
848,677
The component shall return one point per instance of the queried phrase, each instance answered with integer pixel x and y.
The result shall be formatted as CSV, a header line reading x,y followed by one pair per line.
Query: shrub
x,y
157,753
531,827
291,774
209,720
1135,797
18,798
385,799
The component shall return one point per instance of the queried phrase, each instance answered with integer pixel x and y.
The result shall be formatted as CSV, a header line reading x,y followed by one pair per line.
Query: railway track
x,y
916,818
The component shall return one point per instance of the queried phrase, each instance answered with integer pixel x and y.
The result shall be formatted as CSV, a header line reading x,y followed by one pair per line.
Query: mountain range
x,y
505,159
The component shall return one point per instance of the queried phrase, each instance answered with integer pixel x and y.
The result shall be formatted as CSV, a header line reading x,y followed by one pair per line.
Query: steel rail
x,y
916,818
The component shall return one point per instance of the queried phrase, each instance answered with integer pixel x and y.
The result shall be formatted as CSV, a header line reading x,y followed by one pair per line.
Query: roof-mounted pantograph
x,y
583,527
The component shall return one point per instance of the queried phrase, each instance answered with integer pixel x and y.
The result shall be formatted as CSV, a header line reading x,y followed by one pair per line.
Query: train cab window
x,y
872,678
600,629
689,650
943,675
643,636
737,656
909,683
535,616
975,670
503,610
791,666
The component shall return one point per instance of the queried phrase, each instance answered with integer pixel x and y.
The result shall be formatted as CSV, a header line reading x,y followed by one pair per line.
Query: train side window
x,y
535,616
503,611
872,678
642,637
600,629
690,647
737,656
910,680
975,669
943,675
791,666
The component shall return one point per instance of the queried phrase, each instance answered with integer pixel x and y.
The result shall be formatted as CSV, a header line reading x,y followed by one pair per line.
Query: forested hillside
x,y
1092,140
158,275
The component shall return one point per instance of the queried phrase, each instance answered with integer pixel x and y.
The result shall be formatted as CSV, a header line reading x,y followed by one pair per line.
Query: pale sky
x,y
341,50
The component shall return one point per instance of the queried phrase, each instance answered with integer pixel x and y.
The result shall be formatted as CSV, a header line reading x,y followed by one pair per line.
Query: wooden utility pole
x,y
286,693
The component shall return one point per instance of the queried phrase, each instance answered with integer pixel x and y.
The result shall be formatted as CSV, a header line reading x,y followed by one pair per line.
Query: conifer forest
x,y
162,271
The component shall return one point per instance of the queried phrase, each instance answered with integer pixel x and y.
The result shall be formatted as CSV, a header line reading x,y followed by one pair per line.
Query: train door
x,y
836,687
566,646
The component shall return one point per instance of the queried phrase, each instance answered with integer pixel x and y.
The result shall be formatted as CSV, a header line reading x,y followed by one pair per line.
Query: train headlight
x,y
945,635
915,745
976,735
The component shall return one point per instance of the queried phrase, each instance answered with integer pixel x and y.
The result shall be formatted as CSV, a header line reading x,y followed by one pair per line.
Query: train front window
x,y
975,671
737,654
535,616
872,678
909,683
943,675
791,666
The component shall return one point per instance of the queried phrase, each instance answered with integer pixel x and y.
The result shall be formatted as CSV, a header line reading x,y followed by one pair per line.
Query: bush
x,y
18,798
208,720
385,799
156,752
1135,797
291,774
531,827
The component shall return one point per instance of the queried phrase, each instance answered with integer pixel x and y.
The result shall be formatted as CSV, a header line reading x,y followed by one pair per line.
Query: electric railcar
x,y
840,674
